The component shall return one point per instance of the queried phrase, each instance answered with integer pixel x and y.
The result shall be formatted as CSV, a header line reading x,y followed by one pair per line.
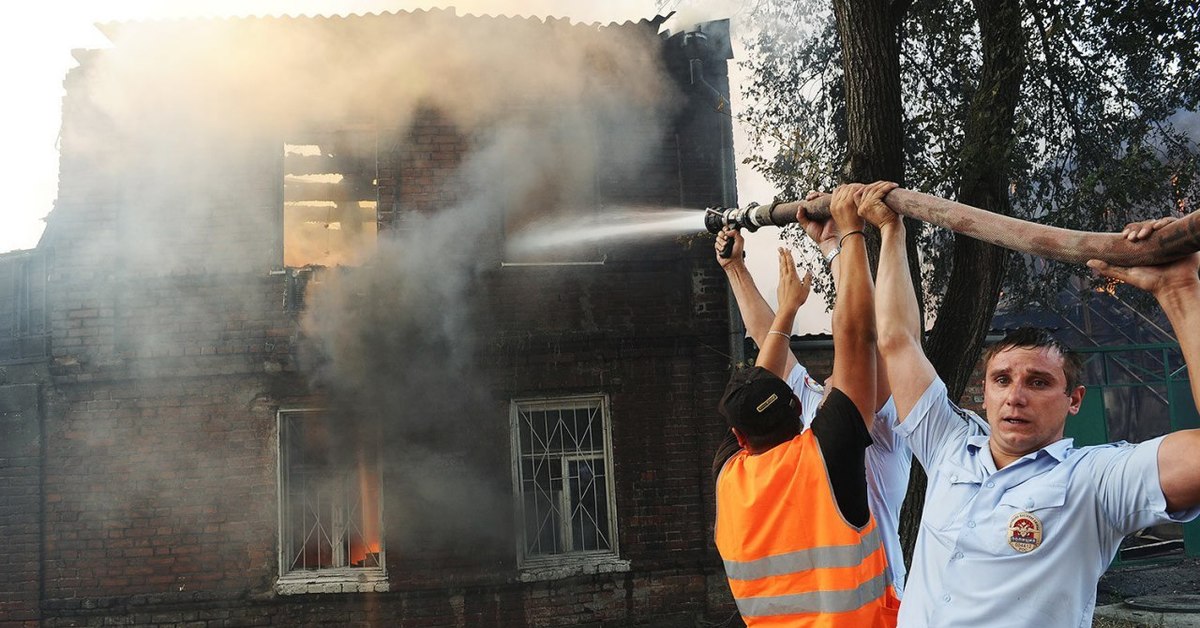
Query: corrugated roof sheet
x,y
114,30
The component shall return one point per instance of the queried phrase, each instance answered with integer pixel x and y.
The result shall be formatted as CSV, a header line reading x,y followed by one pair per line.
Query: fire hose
x,y
1171,242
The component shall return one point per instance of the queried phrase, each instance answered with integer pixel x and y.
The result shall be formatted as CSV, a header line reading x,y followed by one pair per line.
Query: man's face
x,y
1027,402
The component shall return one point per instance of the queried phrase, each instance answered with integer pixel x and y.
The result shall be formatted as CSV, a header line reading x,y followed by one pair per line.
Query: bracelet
x,y
856,231
779,333
832,254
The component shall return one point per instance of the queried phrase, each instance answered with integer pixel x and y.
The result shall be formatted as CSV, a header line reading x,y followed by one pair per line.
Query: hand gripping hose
x,y
1176,240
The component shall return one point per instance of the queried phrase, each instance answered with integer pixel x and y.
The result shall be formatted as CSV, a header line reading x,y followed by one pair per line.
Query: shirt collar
x,y
1058,449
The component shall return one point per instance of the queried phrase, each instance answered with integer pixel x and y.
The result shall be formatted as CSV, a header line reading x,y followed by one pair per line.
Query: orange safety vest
x,y
790,557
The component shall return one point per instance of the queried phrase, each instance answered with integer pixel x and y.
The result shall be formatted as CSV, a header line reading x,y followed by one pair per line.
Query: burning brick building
x,y
276,360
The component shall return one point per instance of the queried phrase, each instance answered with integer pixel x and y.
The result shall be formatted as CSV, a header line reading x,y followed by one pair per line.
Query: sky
x,y
38,38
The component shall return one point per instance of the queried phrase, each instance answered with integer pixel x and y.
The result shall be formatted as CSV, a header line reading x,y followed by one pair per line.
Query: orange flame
x,y
364,550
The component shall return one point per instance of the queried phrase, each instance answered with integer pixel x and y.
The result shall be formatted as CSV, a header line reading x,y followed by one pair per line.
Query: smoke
x,y
542,109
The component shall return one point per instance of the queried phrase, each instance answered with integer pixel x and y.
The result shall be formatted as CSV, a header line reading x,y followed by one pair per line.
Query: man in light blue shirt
x,y
888,459
1019,525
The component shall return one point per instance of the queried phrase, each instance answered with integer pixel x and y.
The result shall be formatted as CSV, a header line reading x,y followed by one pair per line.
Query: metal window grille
x,y
564,467
331,505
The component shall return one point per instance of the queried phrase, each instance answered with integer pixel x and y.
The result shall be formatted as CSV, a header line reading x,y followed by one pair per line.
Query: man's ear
x,y
1076,399
741,438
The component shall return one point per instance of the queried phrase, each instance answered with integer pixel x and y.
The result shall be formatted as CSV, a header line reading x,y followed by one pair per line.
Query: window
x,y
563,476
23,333
330,528
330,194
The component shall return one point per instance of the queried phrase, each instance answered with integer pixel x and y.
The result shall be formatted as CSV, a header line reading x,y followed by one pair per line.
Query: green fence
x,y
1134,393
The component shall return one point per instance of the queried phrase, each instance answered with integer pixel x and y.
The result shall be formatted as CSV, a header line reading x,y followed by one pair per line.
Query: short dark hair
x,y
1036,338
761,406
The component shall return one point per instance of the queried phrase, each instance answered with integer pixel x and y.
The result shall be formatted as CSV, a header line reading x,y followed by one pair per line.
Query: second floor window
x,y
329,198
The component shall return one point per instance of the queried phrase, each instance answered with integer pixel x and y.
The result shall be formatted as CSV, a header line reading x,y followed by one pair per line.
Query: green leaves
x,y
1106,123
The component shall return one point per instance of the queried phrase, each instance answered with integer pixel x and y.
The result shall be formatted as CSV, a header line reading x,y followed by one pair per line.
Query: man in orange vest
x,y
793,527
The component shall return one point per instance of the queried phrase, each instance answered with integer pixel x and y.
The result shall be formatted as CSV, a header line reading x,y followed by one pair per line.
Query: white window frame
x,y
571,562
344,579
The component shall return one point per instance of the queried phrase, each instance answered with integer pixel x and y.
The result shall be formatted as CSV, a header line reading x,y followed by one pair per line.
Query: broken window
x,y
23,333
329,199
330,515
564,477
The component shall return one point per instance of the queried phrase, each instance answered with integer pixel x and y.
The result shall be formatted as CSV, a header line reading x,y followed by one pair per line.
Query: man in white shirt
x,y
1019,525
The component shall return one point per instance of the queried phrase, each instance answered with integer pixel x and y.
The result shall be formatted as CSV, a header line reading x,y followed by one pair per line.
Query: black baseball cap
x,y
757,402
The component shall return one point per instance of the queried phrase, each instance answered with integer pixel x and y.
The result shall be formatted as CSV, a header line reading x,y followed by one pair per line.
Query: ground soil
x,y
1178,575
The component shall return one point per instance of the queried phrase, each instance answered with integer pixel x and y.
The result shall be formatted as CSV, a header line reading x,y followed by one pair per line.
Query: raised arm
x,y
756,312
853,308
907,369
1176,286
775,348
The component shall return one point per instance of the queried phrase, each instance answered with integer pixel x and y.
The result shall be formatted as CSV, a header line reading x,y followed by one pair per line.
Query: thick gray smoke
x,y
205,106
391,342
398,336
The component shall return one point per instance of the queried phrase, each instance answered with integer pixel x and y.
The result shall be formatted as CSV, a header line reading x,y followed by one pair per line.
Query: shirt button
x,y
970,524
946,598
958,555
954,478
1029,503
991,484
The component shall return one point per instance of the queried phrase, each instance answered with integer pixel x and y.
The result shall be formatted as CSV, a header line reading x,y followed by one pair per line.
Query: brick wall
x,y
637,600
20,497
148,493
157,485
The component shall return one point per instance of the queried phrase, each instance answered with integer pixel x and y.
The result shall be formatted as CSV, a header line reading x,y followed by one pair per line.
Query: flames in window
x,y
364,548
331,511
329,200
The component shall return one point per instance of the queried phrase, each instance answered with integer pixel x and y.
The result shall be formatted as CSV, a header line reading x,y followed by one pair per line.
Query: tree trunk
x,y
965,315
868,31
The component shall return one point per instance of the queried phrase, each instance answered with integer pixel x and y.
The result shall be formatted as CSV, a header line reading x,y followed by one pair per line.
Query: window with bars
x,y
330,506
563,474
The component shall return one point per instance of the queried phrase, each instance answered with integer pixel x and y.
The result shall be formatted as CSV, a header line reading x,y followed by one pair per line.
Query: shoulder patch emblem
x,y
1024,532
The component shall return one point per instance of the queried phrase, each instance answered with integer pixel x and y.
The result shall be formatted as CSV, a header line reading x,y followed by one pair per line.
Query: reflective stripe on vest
x,y
803,560
789,554
814,601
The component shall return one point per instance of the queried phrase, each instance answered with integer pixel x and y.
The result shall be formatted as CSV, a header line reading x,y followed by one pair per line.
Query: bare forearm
x,y
756,312
854,328
775,351
896,307
1178,471
1182,307
908,371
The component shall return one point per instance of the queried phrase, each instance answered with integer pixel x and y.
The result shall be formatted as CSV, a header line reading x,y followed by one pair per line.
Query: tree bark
x,y
965,315
868,31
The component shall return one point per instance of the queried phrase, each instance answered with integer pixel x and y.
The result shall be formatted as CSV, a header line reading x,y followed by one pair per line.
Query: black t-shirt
x,y
839,431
